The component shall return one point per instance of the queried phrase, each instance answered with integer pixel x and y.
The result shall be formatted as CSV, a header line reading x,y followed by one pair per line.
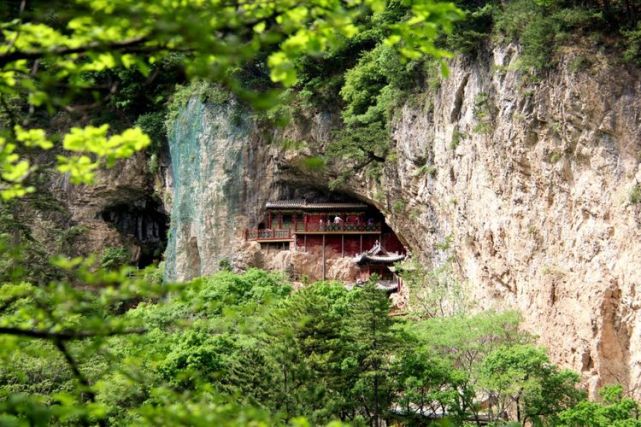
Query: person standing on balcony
x,y
338,219
321,224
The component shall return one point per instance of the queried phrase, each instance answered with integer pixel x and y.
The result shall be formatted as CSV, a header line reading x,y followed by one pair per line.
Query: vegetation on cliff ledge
x,y
366,81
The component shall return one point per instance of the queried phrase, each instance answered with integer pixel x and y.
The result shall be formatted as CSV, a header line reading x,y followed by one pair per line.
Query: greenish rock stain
x,y
207,145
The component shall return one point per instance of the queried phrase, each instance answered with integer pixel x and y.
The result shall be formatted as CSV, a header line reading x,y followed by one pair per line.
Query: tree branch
x,y
82,379
60,345
9,57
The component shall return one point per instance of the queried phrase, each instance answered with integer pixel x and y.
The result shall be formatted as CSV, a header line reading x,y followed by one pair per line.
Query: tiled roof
x,y
303,204
382,259
378,254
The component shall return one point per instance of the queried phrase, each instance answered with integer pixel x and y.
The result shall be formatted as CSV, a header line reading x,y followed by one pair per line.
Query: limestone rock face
x,y
127,184
222,174
532,186
527,182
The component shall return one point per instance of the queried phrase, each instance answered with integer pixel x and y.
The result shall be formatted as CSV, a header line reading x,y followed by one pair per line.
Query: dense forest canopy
x,y
244,349
86,341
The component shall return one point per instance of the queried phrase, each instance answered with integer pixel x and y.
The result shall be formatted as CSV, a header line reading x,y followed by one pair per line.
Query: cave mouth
x,y
302,214
335,236
143,221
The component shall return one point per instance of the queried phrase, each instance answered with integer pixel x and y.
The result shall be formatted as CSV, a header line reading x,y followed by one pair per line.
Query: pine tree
x,y
368,333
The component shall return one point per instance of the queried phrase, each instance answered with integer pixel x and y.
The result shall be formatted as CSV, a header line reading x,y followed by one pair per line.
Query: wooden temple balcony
x,y
287,234
267,235
338,228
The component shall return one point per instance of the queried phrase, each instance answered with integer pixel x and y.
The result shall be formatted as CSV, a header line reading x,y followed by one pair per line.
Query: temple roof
x,y
304,204
380,259
378,255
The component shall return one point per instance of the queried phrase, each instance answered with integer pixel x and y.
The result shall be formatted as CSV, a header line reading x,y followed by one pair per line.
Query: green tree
x,y
304,336
426,385
616,409
521,378
464,342
371,339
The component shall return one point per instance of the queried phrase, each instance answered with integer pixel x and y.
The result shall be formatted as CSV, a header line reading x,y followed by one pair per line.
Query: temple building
x,y
380,262
334,229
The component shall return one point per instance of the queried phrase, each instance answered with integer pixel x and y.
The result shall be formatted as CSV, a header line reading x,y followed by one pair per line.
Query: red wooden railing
x,y
267,234
288,233
341,226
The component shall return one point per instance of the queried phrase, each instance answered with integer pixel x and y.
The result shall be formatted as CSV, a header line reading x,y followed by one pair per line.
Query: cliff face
x,y
530,182
117,211
533,183
223,171
208,175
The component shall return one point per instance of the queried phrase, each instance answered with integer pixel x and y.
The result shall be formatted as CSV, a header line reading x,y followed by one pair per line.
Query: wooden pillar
x,y
280,221
361,236
342,245
269,220
295,221
323,256
305,242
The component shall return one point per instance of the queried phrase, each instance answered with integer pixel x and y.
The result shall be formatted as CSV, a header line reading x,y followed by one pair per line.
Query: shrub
x,y
540,27
483,113
153,124
224,265
152,163
555,156
632,41
204,91
114,257
430,170
399,206
457,137
470,34
446,244
615,410
484,128
635,194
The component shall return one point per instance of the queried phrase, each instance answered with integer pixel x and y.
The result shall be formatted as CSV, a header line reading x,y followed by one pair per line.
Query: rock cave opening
x,y
329,236
145,223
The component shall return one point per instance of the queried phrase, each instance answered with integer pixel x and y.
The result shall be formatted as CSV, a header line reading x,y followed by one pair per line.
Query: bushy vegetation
x,y
372,88
635,194
541,27
114,257
367,78
236,349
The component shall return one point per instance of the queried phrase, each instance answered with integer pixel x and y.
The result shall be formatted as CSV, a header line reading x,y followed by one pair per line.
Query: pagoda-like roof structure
x,y
305,205
378,255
